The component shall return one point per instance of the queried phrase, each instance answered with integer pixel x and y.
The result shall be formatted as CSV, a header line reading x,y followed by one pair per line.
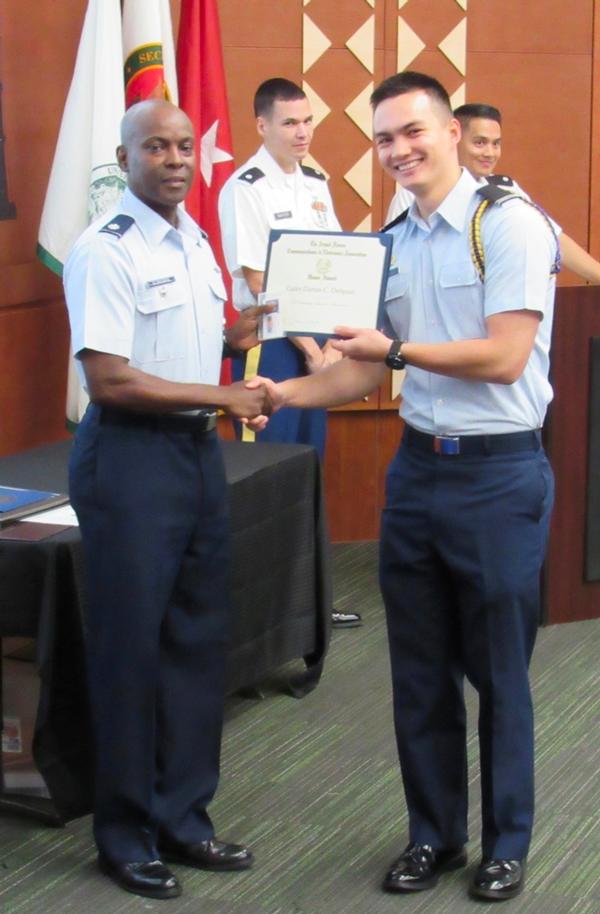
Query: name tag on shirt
x,y
286,215
163,281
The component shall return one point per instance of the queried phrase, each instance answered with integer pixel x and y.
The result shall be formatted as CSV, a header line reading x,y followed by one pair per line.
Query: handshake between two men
x,y
359,371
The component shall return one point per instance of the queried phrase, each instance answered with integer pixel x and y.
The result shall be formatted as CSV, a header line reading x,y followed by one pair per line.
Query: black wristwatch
x,y
394,358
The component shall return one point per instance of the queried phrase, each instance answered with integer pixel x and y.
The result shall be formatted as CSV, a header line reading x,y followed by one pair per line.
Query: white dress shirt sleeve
x,y
244,227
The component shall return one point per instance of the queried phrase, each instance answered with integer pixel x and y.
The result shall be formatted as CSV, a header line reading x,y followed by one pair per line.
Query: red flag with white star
x,y
203,96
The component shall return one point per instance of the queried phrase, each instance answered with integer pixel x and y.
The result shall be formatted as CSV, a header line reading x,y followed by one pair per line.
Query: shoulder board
x,y
251,175
500,181
118,226
491,194
494,194
396,221
312,172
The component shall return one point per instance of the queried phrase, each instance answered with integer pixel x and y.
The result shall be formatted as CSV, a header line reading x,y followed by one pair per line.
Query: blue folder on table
x,y
16,503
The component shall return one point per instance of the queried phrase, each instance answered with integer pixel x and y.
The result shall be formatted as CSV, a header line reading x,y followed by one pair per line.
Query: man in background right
x,y
479,150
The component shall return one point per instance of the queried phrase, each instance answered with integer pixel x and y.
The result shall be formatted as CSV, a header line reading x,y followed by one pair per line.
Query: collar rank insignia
x,y
312,172
118,225
251,175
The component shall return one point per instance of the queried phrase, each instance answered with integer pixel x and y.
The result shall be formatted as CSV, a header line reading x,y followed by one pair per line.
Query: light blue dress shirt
x,y
153,295
434,296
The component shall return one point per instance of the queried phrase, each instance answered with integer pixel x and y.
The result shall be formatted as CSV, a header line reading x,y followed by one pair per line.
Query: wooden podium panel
x,y
567,595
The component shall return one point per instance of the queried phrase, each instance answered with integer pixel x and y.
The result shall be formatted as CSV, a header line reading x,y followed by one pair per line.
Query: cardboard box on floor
x,y
20,696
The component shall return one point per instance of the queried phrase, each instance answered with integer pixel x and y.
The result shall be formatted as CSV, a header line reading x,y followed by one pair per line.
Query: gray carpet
x,y
313,786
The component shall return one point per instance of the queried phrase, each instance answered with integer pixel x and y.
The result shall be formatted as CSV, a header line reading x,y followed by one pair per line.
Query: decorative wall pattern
x,y
344,57
429,36
338,66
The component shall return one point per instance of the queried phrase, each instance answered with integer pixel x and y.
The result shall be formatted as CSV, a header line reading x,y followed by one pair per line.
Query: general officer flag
x,y
203,96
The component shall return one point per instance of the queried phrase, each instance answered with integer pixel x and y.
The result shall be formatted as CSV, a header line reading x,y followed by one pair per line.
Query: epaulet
x,y
493,194
313,173
396,221
490,194
251,175
501,181
118,225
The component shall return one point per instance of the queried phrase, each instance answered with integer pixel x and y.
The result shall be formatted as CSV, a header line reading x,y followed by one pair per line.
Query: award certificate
x,y
324,279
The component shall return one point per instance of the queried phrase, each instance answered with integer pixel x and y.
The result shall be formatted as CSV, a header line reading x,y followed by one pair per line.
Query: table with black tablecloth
x,y
281,595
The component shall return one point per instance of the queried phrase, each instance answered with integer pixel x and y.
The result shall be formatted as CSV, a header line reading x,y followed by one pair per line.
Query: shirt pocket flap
x,y
461,273
397,286
215,281
160,297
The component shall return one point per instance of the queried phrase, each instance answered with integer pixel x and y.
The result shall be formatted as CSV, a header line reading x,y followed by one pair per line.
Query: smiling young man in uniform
x,y
469,492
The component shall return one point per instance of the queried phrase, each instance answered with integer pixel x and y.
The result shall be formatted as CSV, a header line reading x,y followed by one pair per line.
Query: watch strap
x,y
394,358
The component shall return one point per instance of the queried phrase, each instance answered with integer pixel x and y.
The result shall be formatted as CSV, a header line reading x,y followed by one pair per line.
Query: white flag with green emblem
x,y
85,179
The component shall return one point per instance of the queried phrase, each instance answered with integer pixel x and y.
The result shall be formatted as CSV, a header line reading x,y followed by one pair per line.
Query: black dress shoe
x,y
420,866
345,620
152,879
208,855
498,879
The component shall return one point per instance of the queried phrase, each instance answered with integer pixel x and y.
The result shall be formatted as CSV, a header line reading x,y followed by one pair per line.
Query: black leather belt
x,y
201,423
472,445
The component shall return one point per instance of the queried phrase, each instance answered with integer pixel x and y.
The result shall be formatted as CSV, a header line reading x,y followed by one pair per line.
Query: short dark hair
x,y
466,113
410,81
272,90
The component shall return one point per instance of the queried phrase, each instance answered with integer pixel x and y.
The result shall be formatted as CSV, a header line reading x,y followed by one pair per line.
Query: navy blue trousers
x,y
281,360
462,544
151,505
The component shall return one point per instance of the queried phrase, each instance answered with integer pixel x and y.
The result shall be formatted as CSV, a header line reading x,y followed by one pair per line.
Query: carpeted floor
x,y
313,786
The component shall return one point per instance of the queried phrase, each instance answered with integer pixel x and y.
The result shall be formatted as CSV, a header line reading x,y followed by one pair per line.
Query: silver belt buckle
x,y
445,444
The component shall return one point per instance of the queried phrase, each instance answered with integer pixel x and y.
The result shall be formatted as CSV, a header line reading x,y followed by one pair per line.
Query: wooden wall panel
x,y
552,27
37,55
260,24
351,484
567,597
359,449
34,344
257,45
595,140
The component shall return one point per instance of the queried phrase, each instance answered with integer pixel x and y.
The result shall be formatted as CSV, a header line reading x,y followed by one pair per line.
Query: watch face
x,y
393,359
